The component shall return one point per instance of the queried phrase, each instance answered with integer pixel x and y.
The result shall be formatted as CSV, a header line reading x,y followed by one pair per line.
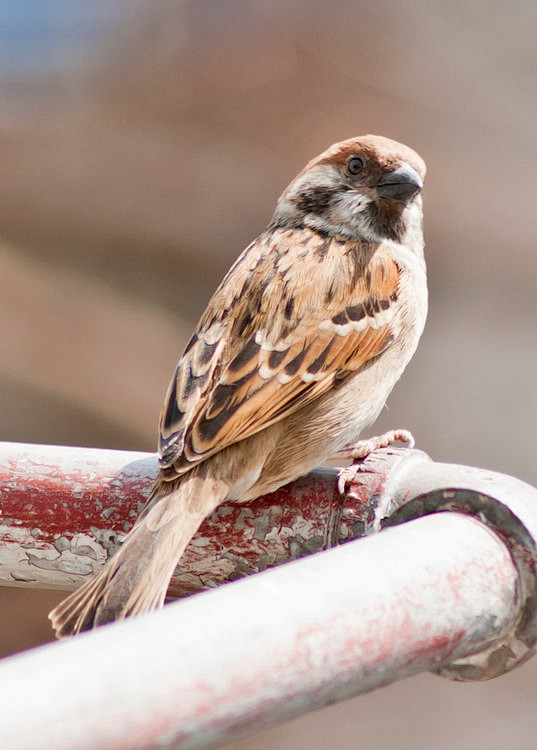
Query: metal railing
x,y
449,585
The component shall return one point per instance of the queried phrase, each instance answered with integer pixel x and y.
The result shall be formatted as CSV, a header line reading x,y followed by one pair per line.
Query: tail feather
x,y
136,578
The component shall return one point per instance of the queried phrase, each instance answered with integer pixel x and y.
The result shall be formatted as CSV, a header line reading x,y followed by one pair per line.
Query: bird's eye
x,y
355,165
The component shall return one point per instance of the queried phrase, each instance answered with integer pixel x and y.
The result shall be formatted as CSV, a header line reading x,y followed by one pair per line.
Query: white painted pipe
x,y
265,649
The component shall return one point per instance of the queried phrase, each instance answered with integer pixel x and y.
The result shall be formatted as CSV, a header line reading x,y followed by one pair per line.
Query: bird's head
x,y
365,189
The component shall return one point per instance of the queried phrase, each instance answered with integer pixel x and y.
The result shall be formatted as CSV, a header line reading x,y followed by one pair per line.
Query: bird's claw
x,y
363,448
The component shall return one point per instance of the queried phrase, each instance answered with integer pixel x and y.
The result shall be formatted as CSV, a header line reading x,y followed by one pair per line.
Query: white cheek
x,y
354,202
350,212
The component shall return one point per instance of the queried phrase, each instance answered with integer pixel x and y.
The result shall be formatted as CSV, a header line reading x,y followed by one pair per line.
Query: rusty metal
x,y
449,585
64,510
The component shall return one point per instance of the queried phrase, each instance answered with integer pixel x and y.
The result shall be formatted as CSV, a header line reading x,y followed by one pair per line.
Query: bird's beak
x,y
401,184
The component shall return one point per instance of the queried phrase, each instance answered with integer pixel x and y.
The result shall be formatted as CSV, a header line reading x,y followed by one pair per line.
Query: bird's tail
x,y
136,578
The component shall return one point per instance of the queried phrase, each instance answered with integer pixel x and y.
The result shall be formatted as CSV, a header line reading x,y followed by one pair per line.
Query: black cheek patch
x,y
315,200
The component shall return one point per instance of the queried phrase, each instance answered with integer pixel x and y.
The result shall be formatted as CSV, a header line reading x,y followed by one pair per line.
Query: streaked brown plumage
x,y
296,353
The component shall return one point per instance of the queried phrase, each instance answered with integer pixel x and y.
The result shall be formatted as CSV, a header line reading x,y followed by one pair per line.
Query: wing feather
x,y
287,323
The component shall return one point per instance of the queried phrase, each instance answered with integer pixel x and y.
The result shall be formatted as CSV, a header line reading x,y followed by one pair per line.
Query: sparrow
x,y
295,354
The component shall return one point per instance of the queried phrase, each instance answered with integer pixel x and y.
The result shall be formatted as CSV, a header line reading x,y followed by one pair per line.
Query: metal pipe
x,y
415,486
265,649
64,510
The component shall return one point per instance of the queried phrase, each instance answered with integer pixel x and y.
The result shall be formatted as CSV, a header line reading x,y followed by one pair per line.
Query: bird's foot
x,y
363,448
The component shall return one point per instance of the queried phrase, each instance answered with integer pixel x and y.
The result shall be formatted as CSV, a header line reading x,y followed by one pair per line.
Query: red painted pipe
x,y
64,510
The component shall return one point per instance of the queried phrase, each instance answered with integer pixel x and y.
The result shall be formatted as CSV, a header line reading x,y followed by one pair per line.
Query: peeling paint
x,y
42,562
79,504
62,543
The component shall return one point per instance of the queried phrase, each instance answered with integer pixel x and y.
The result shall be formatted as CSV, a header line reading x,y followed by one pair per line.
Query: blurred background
x,y
143,144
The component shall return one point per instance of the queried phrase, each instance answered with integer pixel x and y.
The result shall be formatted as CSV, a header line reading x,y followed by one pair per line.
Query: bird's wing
x,y
294,317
